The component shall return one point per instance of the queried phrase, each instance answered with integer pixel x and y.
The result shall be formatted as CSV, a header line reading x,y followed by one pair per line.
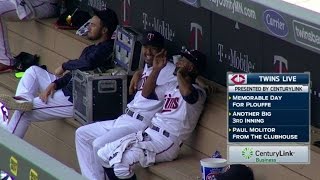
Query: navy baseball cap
x,y
152,38
236,172
196,57
108,17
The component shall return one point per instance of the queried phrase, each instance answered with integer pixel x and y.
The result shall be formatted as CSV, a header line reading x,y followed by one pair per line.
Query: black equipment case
x,y
98,97
103,96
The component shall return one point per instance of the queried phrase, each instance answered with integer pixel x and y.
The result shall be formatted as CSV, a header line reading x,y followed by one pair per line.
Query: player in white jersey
x,y
160,142
140,110
20,10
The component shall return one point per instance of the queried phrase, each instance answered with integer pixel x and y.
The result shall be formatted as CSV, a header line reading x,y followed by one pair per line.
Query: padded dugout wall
x,y
250,50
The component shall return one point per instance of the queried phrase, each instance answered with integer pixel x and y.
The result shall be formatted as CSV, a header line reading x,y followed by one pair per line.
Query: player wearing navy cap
x,y
90,138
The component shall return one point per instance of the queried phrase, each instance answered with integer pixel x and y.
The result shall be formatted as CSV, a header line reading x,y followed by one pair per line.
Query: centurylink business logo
x,y
264,156
268,154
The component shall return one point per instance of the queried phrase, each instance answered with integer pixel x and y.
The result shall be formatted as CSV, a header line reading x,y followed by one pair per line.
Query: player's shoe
x,y
5,68
15,103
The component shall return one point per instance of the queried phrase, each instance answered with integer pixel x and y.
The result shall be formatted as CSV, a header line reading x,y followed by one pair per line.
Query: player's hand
x,y
183,63
59,71
160,60
182,72
135,82
48,92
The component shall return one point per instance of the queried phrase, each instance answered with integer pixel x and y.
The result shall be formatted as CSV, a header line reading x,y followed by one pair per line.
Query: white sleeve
x,y
166,74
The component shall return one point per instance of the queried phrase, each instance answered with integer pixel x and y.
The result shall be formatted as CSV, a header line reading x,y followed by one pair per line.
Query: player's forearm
x,y
151,83
63,81
188,91
185,85
137,75
74,64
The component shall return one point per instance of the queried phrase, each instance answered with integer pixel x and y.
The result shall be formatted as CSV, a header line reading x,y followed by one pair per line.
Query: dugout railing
x,y
21,160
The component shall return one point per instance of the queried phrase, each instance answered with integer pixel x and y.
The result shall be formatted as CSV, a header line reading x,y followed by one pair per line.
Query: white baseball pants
x,y
36,80
167,149
90,138
8,11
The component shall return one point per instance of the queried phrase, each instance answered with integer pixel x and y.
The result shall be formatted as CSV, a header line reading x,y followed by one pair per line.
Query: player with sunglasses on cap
x,y
161,141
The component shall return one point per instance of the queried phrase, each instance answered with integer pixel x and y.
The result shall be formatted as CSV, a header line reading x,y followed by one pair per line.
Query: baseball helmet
x,y
196,57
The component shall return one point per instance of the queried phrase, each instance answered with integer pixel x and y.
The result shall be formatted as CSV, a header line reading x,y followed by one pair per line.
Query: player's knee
x,y
101,141
96,144
79,133
31,69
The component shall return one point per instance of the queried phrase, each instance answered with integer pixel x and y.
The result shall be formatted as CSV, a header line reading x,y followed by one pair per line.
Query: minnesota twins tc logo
x,y
126,12
196,35
280,64
150,36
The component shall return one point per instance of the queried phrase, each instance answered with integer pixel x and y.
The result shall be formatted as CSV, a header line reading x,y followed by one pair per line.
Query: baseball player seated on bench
x,y
21,10
160,142
55,99
140,110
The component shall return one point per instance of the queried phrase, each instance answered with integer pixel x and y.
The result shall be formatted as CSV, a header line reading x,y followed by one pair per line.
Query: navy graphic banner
x,y
268,107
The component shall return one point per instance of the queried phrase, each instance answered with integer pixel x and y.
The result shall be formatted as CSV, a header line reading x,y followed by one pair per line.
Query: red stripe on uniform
x,y
17,123
165,149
